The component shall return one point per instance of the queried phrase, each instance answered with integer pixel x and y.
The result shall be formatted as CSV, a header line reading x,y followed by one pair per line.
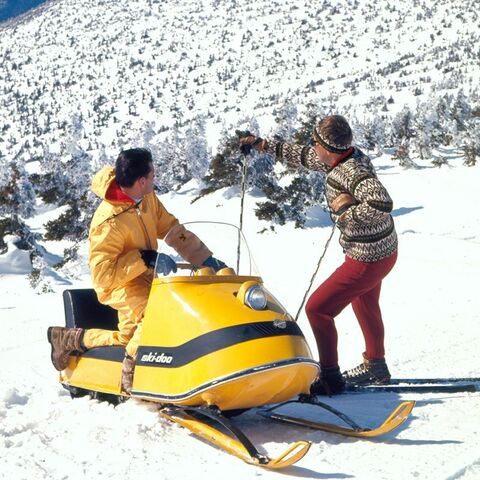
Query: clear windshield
x,y
224,240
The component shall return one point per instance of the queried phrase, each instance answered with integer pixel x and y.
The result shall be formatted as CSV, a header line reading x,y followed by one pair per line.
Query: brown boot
x,y
64,341
128,367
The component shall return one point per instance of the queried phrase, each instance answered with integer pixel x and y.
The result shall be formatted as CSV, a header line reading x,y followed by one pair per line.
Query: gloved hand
x,y
246,141
166,264
149,257
214,263
342,203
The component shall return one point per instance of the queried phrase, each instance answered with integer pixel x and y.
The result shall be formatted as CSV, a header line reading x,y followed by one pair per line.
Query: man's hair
x,y
131,165
334,133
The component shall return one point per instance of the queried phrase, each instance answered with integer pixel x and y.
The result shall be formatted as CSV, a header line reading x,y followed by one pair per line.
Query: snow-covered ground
x,y
431,308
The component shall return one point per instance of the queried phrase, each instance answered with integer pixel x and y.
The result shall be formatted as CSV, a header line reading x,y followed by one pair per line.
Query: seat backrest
x,y
82,309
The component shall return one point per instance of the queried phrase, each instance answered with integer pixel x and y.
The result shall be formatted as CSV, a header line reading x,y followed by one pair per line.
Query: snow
x,y
220,66
431,309
14,260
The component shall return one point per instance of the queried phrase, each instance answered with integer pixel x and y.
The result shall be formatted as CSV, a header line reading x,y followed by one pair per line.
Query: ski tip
x,y
293,454
401,413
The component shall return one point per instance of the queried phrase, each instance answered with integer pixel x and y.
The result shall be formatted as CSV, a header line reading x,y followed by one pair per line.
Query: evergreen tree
x,y
171,165
309,120
402,126
291,202
286,117
443,129
402,154
196,148
103,160
471,146
225,168
17,202
423,124
148,138
259,165
460,111
370,134
70,175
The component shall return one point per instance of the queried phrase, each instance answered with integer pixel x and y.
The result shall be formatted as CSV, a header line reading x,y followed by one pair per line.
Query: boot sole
x,y
49,338
371,381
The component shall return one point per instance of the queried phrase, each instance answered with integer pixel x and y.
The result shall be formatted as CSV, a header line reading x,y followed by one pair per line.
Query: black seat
x,y
82,309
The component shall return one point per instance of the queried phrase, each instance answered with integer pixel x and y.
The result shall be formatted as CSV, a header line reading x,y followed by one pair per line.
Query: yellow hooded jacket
x,y
120,228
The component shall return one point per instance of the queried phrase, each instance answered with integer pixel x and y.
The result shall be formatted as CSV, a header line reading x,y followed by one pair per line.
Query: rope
x,y
242,198
316,271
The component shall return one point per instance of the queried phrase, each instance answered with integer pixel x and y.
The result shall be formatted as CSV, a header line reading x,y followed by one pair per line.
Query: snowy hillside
x,y
122,65
432,314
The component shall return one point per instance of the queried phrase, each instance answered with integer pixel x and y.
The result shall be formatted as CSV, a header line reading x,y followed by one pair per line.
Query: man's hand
x,y
214,263
149,257
164,263
342,203
246,141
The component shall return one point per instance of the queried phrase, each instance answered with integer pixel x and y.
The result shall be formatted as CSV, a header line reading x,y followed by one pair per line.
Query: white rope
x,y
242,198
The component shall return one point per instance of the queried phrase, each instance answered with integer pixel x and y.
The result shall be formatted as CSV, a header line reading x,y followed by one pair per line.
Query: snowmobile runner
x,y
422,385
213,345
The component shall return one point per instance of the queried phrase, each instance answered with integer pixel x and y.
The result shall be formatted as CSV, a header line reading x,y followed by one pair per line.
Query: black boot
x,y
373,371
330,382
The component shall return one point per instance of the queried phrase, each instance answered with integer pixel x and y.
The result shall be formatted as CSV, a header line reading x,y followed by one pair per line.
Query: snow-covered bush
x,y
17,202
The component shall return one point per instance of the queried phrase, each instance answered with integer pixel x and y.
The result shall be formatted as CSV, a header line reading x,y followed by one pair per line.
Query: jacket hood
x,y
102,180
105,187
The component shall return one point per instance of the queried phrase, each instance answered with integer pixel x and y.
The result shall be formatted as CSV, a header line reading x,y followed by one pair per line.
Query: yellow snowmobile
x,y
213,345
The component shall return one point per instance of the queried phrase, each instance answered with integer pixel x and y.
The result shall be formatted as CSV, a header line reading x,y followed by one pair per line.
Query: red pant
x,y
354,282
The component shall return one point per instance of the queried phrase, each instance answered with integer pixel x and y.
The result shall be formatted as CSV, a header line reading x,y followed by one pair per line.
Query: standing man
x,y
123,253
360,206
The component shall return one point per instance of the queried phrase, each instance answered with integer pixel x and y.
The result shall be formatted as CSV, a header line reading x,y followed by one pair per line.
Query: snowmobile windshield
x,y
224,240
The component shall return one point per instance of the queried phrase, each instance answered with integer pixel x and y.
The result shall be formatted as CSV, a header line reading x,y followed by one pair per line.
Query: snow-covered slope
x,y
122,64
432,313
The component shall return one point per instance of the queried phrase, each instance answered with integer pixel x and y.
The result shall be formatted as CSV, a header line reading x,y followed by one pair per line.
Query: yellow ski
x,y
241,448
396,418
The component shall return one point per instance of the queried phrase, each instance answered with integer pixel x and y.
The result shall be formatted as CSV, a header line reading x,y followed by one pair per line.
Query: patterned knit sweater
x,y
367,232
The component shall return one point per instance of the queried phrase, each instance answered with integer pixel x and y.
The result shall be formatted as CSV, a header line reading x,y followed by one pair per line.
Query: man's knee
x,y
316,312
125,333
310,310
313,309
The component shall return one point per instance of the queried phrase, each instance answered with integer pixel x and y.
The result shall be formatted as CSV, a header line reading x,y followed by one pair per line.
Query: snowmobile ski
x,y
195,419
420,386
434,381
395,419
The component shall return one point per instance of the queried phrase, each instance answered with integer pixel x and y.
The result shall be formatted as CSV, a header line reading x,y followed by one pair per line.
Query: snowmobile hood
x,y
105,187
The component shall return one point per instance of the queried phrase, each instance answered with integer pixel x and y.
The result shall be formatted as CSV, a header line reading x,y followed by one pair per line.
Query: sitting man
x,y
123,252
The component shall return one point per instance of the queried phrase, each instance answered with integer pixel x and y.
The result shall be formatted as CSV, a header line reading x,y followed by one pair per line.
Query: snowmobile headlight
x,y
256,298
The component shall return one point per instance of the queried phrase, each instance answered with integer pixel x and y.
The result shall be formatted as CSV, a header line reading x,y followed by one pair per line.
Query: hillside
x,y
124,66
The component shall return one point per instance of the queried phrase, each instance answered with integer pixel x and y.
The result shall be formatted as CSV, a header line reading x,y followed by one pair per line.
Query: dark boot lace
x,y
355,372
368,372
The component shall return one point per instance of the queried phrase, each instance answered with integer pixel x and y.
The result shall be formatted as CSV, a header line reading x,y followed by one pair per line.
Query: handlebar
x,y
185,266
